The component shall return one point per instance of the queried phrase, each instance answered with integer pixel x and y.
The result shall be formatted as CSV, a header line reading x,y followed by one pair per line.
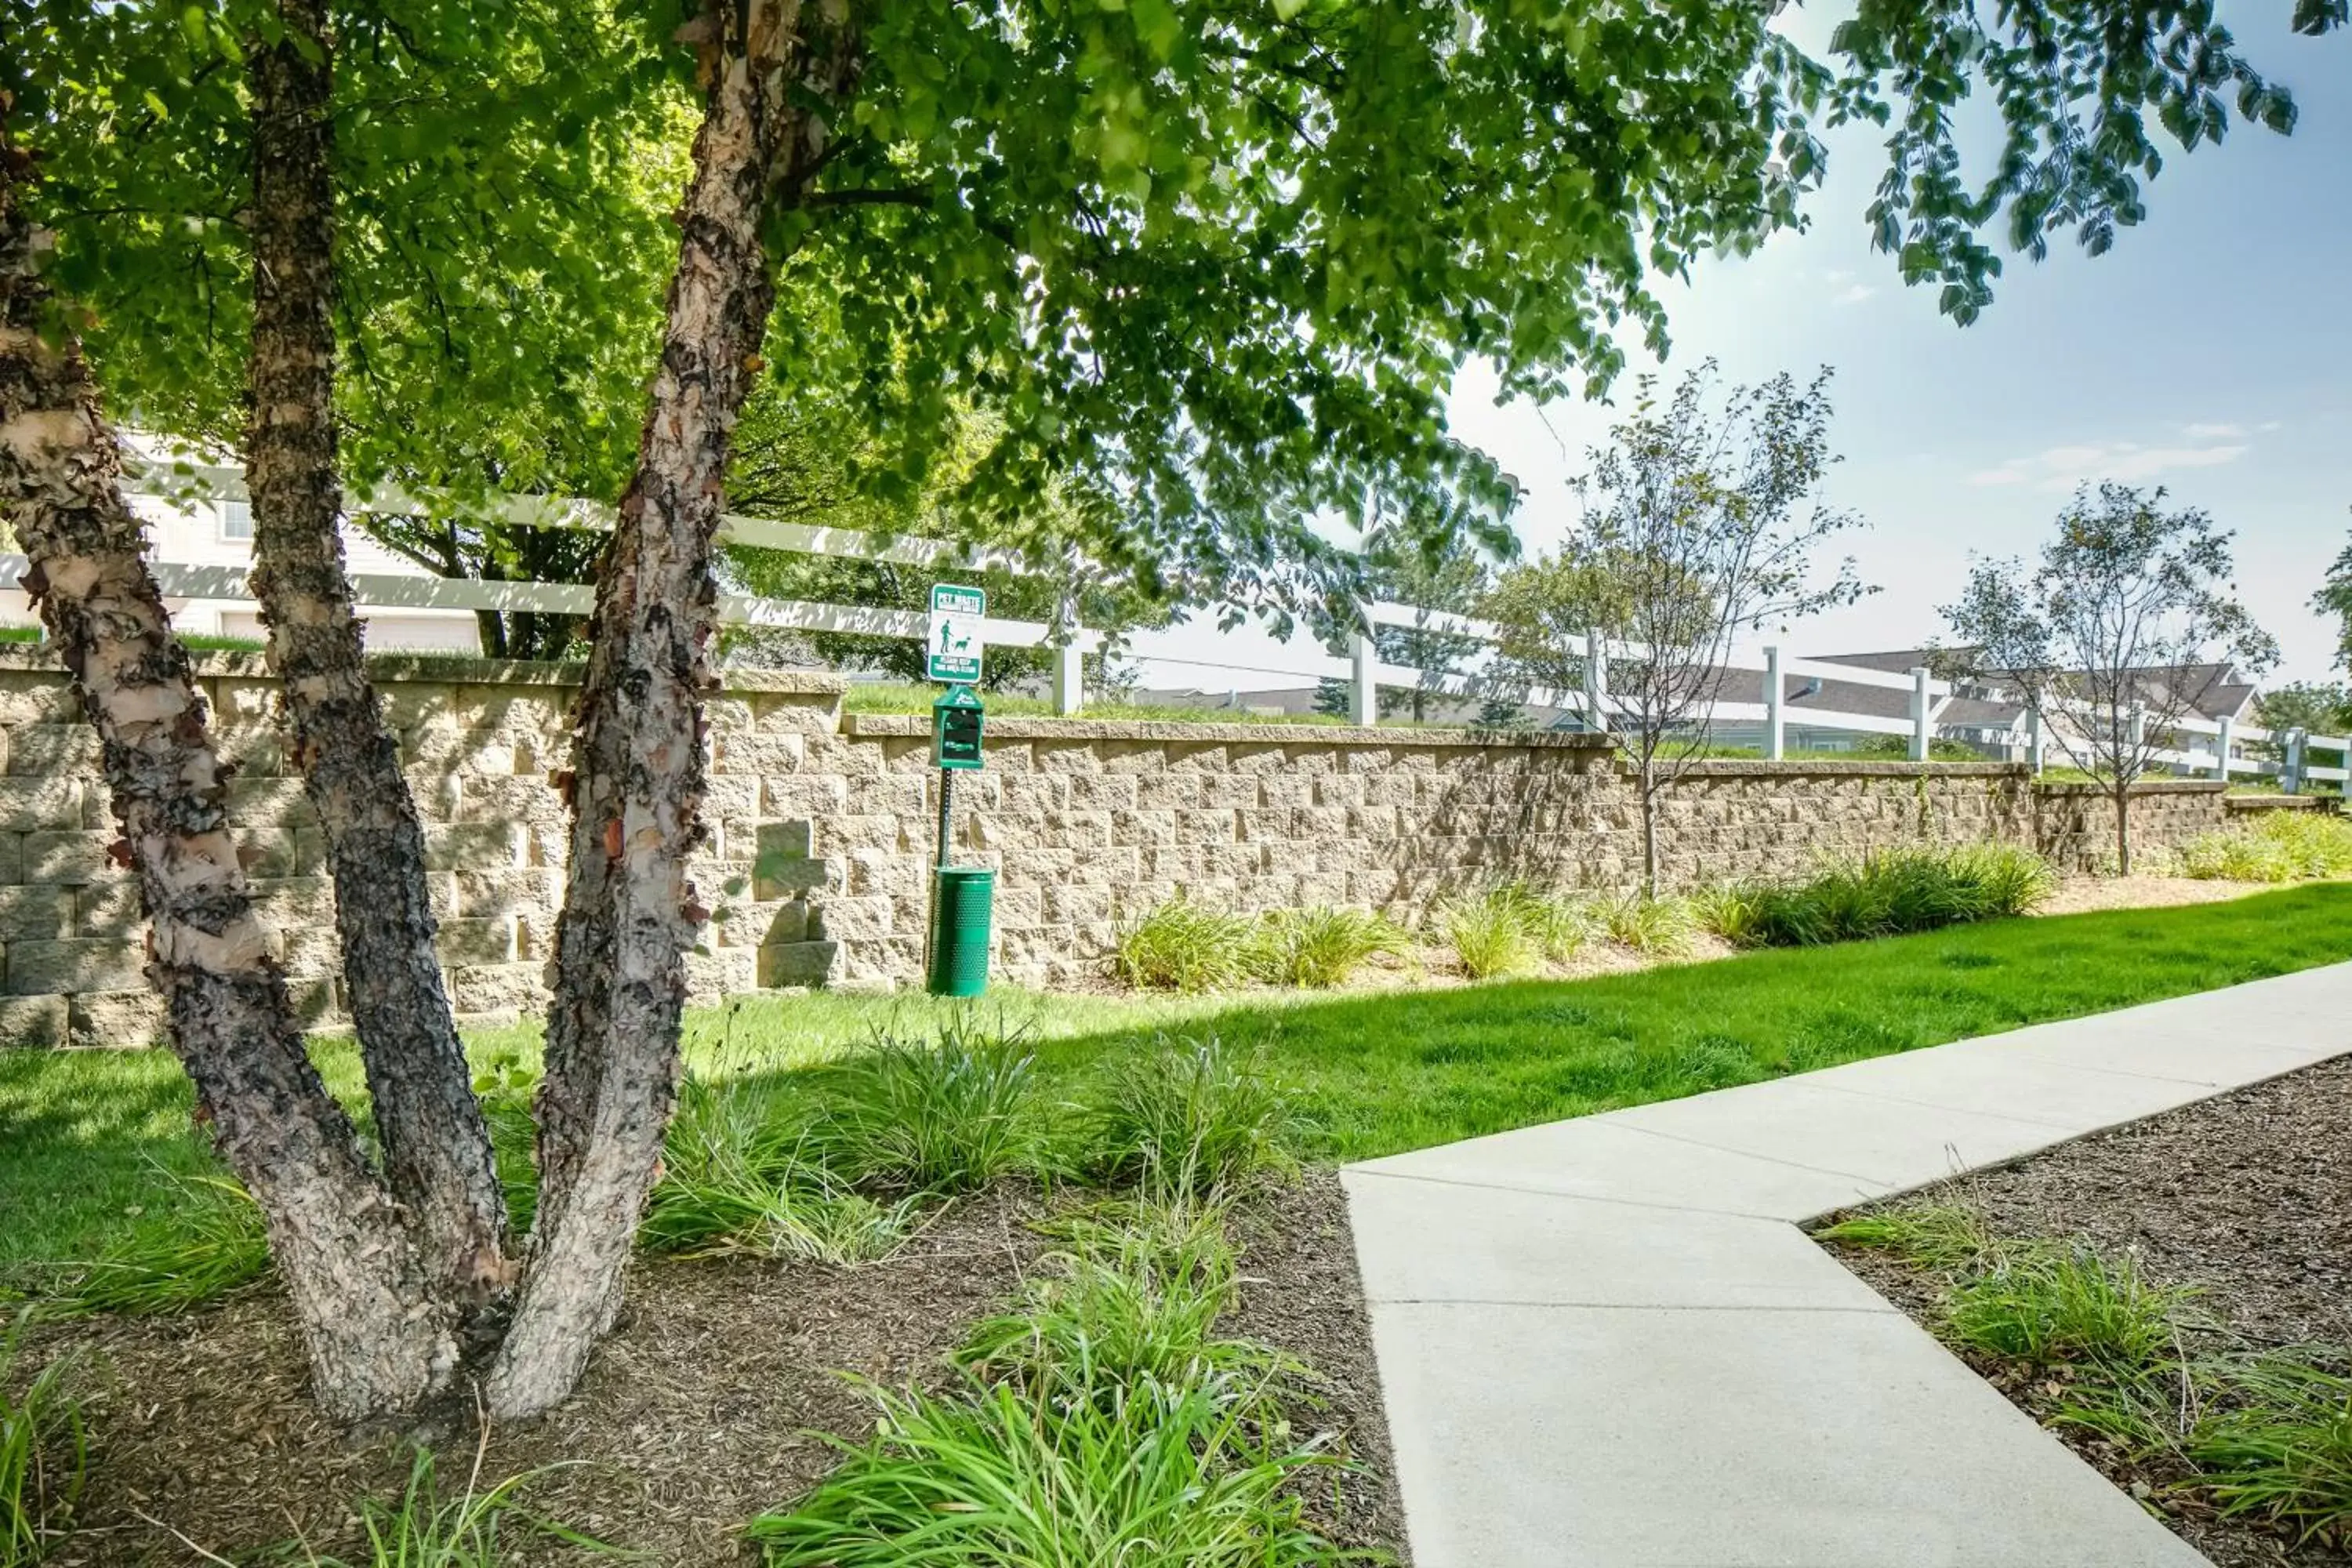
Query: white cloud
x,y
1855,293
2213,432
2061,469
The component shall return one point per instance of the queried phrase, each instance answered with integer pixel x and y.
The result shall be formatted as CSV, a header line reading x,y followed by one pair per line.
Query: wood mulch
x,y
700,1411
2245,1199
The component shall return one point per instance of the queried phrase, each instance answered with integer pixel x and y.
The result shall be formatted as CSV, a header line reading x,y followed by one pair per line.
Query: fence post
x,y
2291,776
2221,744
2138,732
1772,749
1363,689
2033,738
1596,686
1069,678
1919,713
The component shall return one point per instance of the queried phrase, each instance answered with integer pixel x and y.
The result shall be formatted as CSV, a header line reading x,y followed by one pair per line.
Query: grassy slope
x,y
82,1135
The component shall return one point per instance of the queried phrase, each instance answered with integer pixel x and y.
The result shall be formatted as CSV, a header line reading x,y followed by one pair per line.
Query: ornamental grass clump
x,y
208,1245
1322,946
1186,1116
1890,893
2280,1447
2277,847
1492,934
423,1528
1179,945
943,1117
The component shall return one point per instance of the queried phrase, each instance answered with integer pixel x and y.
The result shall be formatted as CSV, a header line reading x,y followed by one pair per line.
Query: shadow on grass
x,y
86,1138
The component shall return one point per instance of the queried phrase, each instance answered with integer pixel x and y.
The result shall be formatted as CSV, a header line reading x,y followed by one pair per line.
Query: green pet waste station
x,y
963,898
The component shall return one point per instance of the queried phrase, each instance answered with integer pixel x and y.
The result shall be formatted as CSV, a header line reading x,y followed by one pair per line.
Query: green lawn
x,y
89,1140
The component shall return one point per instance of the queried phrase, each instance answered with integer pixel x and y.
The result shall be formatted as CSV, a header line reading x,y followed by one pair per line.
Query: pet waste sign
x,y
955,647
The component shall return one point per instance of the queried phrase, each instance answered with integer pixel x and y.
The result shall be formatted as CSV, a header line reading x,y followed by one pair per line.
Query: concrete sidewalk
x,y
1605,1341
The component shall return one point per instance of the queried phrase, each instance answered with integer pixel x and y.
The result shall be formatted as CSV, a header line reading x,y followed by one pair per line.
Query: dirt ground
x,y
2246,1199
698,1413
2083,895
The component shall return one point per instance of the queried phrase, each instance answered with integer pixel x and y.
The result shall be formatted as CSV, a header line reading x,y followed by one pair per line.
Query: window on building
x,y
236,519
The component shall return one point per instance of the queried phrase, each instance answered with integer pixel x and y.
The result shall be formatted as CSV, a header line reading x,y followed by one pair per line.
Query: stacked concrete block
x,y
819,844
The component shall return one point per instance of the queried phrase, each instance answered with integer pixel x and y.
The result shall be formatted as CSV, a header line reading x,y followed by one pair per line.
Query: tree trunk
x,y
637,765
1649,829
376,1339
437,1146
2123,830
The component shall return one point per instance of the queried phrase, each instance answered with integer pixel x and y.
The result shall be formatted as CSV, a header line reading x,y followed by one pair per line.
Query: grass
x,y
87,1137
2277,847
938,1118
1886,893
1323,946
43,1455
2054,1306
206,1245
2260,1433
425,1528
1186,1115
1100,1420
1179,945
1492,933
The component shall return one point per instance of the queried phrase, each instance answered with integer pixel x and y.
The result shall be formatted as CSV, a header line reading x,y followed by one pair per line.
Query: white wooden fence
x,y
188,485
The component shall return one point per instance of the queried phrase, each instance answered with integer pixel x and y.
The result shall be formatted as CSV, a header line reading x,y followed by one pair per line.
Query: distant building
x,y
220,534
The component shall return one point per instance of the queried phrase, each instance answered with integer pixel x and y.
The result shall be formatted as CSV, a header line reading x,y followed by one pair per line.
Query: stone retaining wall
x,y
821,829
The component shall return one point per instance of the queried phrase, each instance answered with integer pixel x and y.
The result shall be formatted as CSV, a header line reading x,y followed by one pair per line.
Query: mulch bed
x,y
2247,1199
696,1414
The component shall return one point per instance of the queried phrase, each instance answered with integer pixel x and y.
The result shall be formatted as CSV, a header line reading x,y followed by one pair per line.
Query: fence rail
x,y
1365,673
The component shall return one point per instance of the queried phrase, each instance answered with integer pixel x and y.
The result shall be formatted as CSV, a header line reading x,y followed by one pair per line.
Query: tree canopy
x,y
1214,266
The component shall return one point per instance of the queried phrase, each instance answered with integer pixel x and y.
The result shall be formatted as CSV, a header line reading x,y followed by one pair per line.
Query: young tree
x,y
2125,624
1699,525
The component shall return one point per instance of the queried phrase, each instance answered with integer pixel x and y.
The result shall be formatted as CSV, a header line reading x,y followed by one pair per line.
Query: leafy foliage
x,y
1699,523
2126,623
2278,846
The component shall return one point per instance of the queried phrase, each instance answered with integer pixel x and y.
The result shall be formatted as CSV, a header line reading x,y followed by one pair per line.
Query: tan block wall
x,y
821,831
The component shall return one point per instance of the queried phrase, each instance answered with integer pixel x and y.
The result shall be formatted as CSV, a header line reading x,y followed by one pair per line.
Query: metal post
x,y
1363,689
2034,751
1069,680
2221,744
946,814
1772,732
2291,776
1919,713
1596,686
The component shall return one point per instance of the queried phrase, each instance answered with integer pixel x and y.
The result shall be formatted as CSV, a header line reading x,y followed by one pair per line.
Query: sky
x,y
2209,352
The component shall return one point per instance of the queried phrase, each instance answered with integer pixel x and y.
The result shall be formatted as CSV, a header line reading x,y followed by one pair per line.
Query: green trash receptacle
x,y
962,911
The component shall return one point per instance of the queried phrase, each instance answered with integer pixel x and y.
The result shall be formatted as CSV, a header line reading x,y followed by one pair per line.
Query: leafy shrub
x,y
1179,945
1492,934
1322,946
2049,1306
913,1116
2282,1449
43,1457
194,1251
1184,1116
2277,847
